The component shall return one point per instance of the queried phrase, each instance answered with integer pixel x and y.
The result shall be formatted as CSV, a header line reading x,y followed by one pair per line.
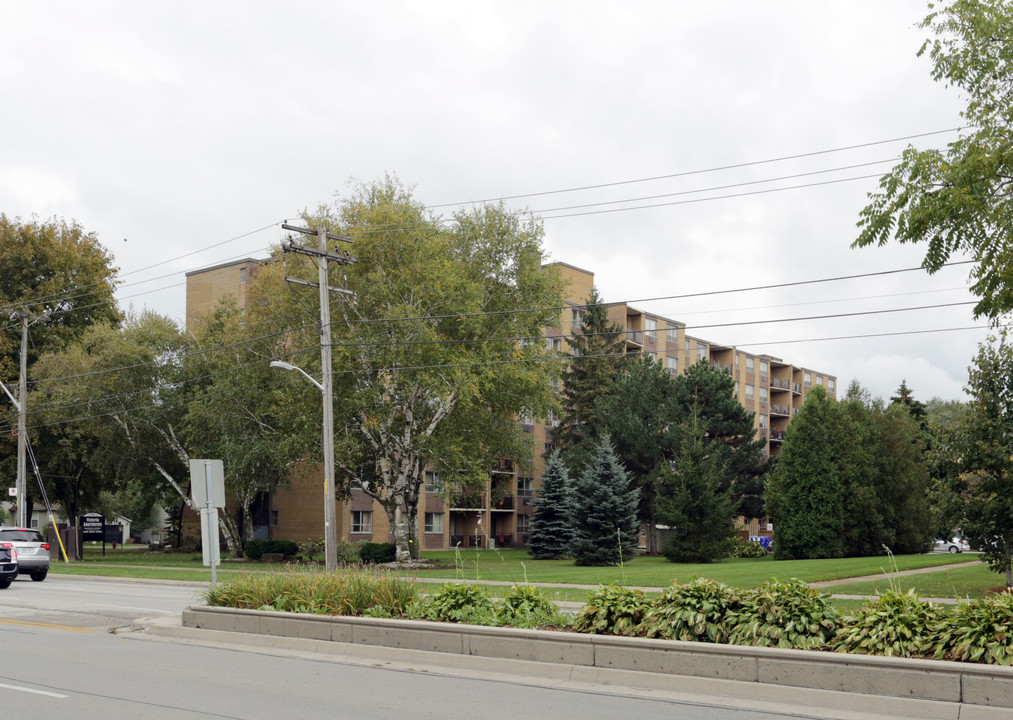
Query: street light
x,y
330,520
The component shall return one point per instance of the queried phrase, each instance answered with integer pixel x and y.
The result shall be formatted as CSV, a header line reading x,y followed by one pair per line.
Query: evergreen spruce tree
x,y
551,531
695,501
604,511
598,348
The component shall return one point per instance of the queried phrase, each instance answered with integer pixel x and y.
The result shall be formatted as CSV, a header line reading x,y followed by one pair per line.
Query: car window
x,y
21,535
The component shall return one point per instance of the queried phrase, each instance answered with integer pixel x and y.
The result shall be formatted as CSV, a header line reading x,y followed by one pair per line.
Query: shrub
x,y
341,593
377,553
695,612
526,606
255,549
611,610
894,624
784,614
742,548
978,631
309,548
456,602
348,552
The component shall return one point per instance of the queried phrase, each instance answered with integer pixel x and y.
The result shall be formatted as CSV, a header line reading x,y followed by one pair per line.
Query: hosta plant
x,y
697,611
611,610
526,606
784,614
979,631
896,624
456,602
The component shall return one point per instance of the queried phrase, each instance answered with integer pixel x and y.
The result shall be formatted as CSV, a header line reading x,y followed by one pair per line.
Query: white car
x,y
33,551
955,545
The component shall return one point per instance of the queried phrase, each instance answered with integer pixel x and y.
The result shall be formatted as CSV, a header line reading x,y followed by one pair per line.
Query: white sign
x,y
207,480
13,492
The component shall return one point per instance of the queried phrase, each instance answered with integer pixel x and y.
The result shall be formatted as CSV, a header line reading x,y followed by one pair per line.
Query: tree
x,y
551,529
598,349
435,353
695,499
916,408
805,495
604,506
980,457
958,200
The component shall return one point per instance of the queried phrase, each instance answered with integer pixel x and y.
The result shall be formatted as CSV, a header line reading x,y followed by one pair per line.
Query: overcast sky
x,y
171,128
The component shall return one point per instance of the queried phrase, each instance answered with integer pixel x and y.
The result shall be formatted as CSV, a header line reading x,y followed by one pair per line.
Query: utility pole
x,y
327,387
21,483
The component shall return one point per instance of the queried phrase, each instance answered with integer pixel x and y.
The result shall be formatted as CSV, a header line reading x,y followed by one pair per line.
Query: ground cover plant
x,y
784,614
697,612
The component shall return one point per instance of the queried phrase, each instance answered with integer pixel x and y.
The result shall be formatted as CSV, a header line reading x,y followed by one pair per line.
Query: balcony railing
x,y
778,409
505,503
635,336
502,540
796,388
779,383
777,435
467,541
467,502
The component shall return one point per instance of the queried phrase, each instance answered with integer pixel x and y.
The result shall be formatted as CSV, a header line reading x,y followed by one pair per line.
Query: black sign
x,y
92,527
113,533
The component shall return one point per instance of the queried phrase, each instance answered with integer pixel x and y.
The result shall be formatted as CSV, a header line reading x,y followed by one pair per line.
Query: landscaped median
x,y
965,690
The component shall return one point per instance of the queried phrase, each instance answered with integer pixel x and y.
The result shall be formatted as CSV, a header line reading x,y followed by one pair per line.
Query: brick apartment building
x,y
500,515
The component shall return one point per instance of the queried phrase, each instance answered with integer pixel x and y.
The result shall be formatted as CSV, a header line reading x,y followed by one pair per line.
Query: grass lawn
x,y
963,582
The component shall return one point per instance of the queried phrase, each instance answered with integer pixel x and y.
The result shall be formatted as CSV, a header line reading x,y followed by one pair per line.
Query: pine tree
x,y
695,501
551,531
604,511
598,350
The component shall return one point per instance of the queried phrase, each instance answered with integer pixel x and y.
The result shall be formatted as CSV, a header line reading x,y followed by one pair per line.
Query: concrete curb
x,y
969,690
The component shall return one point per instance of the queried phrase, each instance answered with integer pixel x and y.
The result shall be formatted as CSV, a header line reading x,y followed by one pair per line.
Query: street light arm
x,y
289,366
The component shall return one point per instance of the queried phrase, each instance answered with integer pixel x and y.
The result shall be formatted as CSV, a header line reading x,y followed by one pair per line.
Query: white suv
x,y
33,551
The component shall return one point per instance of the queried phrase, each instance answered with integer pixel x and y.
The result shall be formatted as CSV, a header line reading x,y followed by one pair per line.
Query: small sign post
x,y
207,483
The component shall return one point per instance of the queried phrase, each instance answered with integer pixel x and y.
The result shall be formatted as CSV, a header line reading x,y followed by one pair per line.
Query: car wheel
x,y
39,576
954,549
4,584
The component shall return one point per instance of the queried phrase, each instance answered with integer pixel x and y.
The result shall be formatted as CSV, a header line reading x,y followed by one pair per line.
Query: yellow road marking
x,y
48,626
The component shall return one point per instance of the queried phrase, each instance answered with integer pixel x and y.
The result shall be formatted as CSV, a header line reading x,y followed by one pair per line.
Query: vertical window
x,y
808,379
362,521
672,364
575,317
819,379
763,396
830,384
749,391
433,482
434,522
736,361
763,422
524,487
553,344
687,347
274,518
523,524
651,328
763,368
736,388
701,351
653,355
242,276
673,335
749,364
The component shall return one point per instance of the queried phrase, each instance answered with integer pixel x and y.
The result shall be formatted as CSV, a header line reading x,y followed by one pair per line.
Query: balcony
x,y
635,337
505,503
504,541
467,541
777,436
468,501
796,388
721,366
779,384
778,409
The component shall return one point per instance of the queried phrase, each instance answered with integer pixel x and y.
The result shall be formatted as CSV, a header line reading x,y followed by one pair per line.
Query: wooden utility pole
x,y
327,386
22,486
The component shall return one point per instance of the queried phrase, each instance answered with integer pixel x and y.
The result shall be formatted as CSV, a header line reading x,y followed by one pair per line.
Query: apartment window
x,y
523,524
274,518
736,362
749,364
362,521
808,379
653,355
763,396
557,384
687,347
701,352
242,276
434,522
830,385
763,368
749,391
672,365
763,422
575,317
673,335
527,420
553,344
651,328
525,487
433,482
553,419
736,388
819,379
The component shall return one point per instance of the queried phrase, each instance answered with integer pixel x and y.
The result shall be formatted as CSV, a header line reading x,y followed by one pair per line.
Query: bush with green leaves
x,y
612,610
896,624
456,602
784,614
696,612
740,547
255,549
341,593
526,606
377,553
978,631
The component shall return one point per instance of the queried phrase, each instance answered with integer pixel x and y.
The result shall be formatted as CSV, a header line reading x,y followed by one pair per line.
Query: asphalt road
x,y
67,651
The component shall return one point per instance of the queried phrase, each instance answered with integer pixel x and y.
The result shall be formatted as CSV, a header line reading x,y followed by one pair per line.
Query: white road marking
x,y
37,692
129,607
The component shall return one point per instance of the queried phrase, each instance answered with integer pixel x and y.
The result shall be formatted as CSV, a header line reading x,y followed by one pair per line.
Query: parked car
x,y
8,564
955,545
32,550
